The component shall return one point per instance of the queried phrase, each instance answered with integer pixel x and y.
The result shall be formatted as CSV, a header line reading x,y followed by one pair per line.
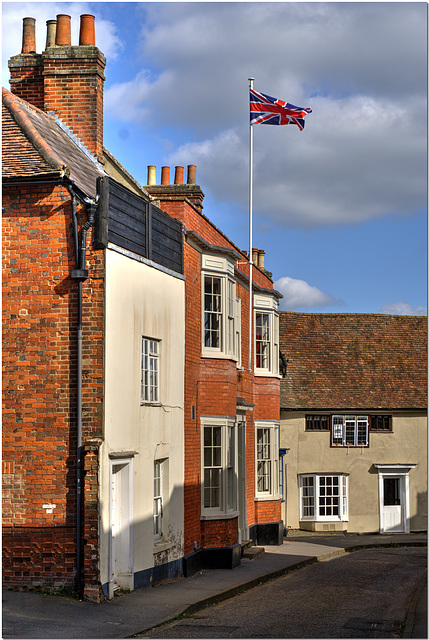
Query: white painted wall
x,y
141,300
310,452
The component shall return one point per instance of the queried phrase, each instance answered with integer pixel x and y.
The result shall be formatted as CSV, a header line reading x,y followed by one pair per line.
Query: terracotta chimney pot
x,y
178,176
255,257
192,173
51,30
63,34
87,30
151,174
28,35
261,259
165,175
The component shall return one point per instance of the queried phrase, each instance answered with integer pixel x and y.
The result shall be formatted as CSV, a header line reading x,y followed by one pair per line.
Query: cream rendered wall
x,y
141,300
310,452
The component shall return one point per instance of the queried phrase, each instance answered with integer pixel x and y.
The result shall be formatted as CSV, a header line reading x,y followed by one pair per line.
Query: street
x,y
365,594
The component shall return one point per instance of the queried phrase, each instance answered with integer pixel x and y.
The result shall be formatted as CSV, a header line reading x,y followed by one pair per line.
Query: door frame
x,y
400,471
243,529
128,471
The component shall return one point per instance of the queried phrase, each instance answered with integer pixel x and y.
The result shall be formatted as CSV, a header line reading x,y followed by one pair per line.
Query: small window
x,y
349,431
317,423
157,499
150,371
380,423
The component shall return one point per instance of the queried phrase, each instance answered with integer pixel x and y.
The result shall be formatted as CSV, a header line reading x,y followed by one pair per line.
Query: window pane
x,y
212,311
391,492
150,371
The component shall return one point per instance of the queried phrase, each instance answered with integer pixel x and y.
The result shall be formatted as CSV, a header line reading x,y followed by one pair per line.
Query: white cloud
x,y
403,309
363,152
298,294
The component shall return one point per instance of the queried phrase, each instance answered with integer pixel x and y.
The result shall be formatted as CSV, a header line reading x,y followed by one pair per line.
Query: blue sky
x,y
340,208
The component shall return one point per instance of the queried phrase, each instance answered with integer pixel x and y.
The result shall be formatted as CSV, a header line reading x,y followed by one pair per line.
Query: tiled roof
x,y
34,145
349,361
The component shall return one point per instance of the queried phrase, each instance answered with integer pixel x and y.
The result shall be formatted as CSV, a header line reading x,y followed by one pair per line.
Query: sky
x,y
340,208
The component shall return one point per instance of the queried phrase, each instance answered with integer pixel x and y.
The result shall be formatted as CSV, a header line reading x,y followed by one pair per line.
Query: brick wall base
x,y
39,556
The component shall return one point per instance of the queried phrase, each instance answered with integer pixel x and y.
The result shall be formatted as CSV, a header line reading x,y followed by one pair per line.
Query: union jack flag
x,y
267,110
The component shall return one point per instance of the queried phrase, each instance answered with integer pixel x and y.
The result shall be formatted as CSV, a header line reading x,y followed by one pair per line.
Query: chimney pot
x,y
29,35
261,259
178,176
255,257
63,34
192,173
165,175
151,174
87,30
51,30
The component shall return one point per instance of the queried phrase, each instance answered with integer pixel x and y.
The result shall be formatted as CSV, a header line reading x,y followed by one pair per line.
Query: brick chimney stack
x,y
65,79
178,192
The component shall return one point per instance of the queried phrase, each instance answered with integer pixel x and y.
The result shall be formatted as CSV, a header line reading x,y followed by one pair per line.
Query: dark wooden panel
x,y
140,227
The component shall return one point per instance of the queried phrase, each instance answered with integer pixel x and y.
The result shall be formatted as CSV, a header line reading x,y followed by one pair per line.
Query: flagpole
x,y
250,235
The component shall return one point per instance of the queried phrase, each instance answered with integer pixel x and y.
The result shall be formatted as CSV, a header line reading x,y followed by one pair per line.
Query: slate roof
x,y
349,361
35,145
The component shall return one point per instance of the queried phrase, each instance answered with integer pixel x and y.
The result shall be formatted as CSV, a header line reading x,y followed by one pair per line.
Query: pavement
x,y
33,615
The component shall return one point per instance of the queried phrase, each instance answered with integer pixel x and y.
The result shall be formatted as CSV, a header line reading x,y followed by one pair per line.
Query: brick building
x,y
141,386
231,399
87,425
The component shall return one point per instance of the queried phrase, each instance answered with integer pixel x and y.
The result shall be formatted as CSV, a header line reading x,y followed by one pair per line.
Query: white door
x,y
121,571
393,513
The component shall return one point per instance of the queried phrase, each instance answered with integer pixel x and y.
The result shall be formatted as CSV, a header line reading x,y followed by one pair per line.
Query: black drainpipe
x,y
80,274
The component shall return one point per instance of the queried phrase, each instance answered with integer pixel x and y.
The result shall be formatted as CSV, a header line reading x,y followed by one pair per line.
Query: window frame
x,y
266,306
158,499
267,457
149,370
318,419
381,417
346,431
310,497
227,314
226,463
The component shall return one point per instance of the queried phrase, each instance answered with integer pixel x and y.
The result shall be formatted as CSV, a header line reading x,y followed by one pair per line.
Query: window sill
x,y
161,546
150,404
266,374
220,516
218,355
267,498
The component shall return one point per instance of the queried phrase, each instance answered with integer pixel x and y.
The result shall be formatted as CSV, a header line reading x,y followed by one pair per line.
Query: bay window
x,y
267,459
323,497
221,324
219,467
266,337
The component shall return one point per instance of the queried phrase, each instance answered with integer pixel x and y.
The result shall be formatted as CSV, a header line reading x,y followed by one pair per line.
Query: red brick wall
x,y
268,511
73,88
69,82
219,533
39,374
26,78
213,385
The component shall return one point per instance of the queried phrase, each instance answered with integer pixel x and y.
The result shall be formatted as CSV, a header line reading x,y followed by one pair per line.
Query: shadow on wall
x,y
419,520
